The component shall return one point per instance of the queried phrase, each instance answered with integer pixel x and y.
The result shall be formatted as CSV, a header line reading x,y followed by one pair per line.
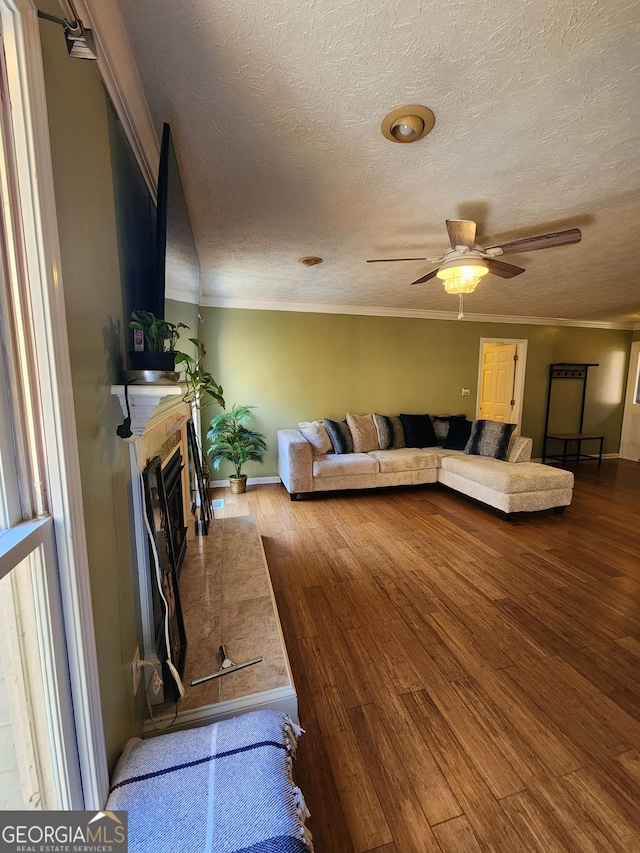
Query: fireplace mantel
x,y
158,413
144,400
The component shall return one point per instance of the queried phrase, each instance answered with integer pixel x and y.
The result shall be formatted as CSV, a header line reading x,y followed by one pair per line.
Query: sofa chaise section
x,y
509,487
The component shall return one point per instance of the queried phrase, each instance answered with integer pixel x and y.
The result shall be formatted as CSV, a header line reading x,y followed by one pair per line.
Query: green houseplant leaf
x,y
200,383
231,439
159,334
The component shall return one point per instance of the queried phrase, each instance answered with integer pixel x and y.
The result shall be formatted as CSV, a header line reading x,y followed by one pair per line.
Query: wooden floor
x,y
466,683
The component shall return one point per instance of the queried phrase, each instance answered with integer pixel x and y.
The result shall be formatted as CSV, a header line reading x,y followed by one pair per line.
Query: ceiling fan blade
x,y
462,232
544,241
426,277
391,260
502,269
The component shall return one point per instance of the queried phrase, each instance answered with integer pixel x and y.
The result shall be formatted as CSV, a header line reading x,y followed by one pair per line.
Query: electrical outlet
x,y
466,392
156,683
136,670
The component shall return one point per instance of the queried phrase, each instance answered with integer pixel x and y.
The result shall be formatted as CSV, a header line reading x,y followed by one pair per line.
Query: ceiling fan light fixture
x,y
408,124
460,277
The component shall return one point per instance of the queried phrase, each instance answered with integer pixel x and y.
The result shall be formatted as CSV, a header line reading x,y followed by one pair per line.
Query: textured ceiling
x,y
276,105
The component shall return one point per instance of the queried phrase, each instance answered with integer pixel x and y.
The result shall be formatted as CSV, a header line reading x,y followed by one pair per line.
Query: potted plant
x,y
159,338
232,440
200,383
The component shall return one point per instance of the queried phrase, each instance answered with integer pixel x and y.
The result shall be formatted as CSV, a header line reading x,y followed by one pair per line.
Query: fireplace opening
x,y
170,638
177,530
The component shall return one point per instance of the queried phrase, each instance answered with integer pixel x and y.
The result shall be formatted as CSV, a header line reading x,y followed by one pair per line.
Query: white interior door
x,y
630,439
501,374
497,388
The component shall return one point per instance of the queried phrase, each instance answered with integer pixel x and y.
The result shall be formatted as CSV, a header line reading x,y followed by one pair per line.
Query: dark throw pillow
x,y
489,438
384,429
398,432
441,425
458,434
340,435
418,431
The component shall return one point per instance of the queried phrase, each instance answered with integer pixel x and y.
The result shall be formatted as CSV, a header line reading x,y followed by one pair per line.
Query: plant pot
x,y
148,360
238,484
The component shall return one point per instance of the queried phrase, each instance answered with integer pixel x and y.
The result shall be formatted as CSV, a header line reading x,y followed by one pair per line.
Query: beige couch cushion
x,y
507,477
340,464
364,432
404,459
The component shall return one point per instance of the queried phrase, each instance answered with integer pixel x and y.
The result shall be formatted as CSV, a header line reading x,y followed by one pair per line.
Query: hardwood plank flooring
x,y
466,683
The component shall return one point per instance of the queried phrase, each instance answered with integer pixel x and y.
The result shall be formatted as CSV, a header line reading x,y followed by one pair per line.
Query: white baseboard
x,y
604,456
251,481
280,699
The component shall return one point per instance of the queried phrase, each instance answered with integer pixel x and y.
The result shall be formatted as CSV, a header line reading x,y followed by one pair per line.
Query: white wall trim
x,y
181,294
251,481
21,39
630,434
585,461
373,311
281,699
119,74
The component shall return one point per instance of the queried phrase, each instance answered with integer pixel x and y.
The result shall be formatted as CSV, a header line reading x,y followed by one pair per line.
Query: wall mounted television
x,y
176,263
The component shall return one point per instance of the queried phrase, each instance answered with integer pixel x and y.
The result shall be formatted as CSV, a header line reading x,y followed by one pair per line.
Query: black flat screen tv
x,y
176,263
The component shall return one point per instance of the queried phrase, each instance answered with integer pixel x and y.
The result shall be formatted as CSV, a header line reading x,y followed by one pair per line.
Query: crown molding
x,y
119,73
373,311
181,294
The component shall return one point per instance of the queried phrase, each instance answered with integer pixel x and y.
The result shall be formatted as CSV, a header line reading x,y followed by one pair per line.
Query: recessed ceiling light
x,y
310,261
408,124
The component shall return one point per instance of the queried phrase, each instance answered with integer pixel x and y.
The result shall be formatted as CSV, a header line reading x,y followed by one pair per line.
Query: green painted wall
x,y
292,366
183,312
81,123
296,366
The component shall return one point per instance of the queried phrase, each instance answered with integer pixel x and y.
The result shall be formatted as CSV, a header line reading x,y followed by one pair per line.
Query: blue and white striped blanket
x,y
222,788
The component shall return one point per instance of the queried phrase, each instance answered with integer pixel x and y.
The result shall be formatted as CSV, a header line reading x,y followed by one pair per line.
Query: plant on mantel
x,y
160,338
202,388
157,331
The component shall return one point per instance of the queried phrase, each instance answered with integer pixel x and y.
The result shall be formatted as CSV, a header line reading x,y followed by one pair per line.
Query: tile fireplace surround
x,y
224,585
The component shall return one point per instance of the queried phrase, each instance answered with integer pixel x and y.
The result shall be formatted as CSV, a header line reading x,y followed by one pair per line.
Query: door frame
x,y
631,408
522,345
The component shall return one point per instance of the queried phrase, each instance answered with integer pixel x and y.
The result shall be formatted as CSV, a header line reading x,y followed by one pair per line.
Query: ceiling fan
x,y
462,267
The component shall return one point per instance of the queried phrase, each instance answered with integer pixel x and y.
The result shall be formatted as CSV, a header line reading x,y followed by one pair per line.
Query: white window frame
x,y
44,715
43,302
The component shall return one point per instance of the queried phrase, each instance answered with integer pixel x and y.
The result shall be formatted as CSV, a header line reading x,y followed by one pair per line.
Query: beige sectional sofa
x,y
514,485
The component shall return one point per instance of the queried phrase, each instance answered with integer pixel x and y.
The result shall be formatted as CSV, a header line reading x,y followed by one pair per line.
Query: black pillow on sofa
x,y
458,435
418,431
441,425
